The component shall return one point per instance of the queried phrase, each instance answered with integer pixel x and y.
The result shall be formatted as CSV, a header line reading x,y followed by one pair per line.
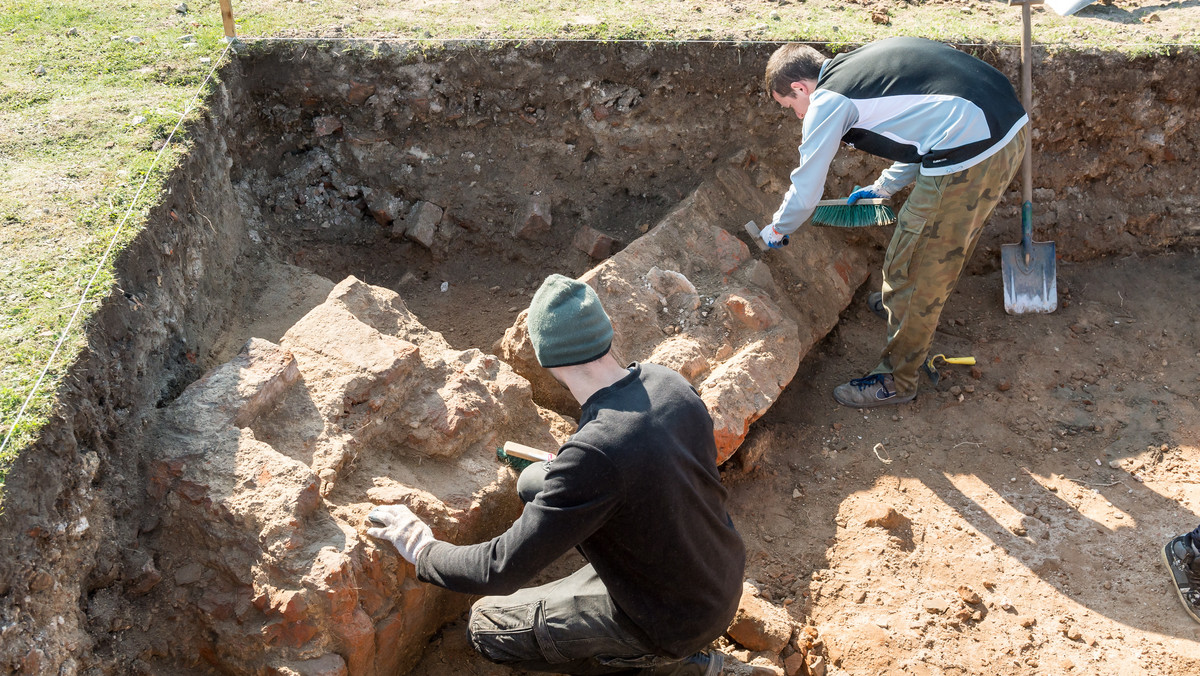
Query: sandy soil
x,y
1044,481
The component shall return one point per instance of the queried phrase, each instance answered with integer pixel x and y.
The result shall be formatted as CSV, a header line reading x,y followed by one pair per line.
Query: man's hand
x,y
869,192
772,237
399,526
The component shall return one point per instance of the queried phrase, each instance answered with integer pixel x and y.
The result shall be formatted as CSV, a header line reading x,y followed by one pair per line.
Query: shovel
x,y
1029,269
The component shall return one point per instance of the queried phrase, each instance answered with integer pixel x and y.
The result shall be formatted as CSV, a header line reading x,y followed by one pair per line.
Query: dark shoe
x,y
875,302
700,664
1182,557
870,391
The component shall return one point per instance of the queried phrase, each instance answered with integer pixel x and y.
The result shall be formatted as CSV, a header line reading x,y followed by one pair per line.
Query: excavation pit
x,y
457,179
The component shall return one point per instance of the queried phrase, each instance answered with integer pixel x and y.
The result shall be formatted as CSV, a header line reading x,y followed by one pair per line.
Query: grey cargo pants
x,y
569,626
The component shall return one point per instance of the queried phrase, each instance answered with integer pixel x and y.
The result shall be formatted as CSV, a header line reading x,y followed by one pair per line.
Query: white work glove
x,y
869,192
772,237
399,526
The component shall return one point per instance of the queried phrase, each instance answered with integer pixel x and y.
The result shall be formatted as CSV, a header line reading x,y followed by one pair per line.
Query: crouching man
x,y
635,489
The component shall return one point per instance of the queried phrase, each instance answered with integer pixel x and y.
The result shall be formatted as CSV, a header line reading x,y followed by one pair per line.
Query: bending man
x,y
635,489
950,123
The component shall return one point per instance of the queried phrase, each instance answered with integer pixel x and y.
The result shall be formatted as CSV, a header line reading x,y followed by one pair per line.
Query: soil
x,y
1044,481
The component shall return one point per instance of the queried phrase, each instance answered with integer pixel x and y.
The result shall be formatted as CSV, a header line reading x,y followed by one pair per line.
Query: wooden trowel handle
x,y
527,452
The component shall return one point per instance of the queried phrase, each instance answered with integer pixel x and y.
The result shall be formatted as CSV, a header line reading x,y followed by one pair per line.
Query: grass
x,y
84,109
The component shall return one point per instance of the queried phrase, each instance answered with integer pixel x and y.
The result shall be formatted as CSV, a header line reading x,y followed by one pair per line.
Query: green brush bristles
x,y
853,215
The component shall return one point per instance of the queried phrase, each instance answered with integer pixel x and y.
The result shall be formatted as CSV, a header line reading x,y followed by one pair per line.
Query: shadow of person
x,y
1052,477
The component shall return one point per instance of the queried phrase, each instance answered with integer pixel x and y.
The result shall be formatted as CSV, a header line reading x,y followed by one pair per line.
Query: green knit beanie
x,y
567,324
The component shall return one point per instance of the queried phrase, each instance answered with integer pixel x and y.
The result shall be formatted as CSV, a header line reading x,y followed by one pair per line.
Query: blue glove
x,y
772,237
869,192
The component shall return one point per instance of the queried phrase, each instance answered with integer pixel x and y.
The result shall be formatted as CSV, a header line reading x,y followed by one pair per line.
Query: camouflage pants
x,y
936,233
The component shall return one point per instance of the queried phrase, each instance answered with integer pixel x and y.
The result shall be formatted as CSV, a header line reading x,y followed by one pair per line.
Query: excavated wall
x,y
499,165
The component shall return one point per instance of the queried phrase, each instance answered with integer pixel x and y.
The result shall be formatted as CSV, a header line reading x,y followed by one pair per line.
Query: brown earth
x,y
1044,482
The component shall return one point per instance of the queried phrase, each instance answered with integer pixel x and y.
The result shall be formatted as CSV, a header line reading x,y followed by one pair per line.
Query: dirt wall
x,y
72,567
612,136
321,150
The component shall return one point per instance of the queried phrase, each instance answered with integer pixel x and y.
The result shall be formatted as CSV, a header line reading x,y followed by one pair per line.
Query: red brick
x,y
594,243
359,93
534,220
356,640
326,125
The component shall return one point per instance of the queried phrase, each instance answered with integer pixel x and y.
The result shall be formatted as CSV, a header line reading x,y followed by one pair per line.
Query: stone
x,y
421,224
236,392
689,293
759,625
968,595
880,515
594,243
385,209
324,125
795,664
145,579
534,221
31,663
326,665
357,391
189,574
359,92
40,581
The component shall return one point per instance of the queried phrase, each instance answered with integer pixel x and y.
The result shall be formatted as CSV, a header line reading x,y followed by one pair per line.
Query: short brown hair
x,y
792,63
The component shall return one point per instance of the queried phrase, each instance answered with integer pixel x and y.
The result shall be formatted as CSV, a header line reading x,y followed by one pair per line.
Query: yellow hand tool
x,y
930,366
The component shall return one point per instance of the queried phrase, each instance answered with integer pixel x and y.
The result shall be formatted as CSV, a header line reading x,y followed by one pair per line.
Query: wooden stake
x,y
227,18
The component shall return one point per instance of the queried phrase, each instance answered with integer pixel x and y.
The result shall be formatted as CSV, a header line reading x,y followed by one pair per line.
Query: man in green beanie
x,y
635,490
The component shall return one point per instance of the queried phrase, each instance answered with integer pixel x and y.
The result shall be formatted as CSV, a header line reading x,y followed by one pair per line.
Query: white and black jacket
x,y
925,105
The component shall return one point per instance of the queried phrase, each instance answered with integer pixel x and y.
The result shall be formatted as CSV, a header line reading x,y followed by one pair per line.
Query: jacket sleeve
x,y
829,117
581,490
897,177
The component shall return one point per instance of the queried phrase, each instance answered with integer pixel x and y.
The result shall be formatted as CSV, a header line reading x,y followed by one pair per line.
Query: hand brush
x,y
865,212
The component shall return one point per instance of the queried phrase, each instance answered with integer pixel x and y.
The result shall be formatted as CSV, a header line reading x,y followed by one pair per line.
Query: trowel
x,y
755,233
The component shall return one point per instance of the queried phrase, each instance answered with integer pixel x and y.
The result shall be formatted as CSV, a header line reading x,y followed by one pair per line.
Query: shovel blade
x,y
1031,288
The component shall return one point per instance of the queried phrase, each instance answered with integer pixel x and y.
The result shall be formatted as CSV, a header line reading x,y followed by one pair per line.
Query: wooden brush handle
x,y
862,202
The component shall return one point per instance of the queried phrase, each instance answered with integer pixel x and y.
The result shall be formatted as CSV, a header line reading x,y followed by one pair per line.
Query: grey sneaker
x,y
875,302
1182,557
871,391
700,664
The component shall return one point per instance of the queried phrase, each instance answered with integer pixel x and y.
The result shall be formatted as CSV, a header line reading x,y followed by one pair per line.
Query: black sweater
x,y
636,488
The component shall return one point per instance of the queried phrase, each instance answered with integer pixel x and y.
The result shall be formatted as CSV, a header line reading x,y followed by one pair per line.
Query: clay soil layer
x,y
1008,521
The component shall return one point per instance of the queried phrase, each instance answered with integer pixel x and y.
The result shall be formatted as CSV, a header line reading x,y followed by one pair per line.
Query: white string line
x,y
112,242
514,40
